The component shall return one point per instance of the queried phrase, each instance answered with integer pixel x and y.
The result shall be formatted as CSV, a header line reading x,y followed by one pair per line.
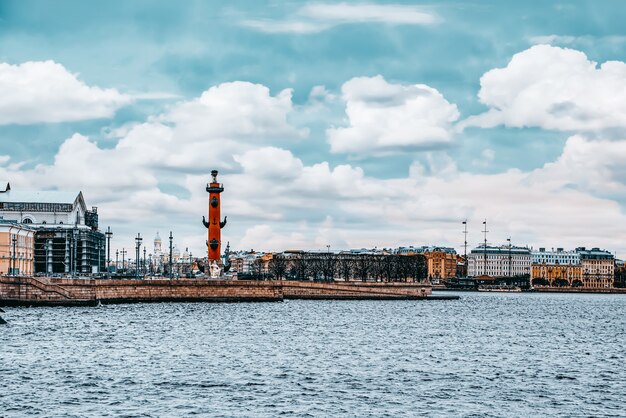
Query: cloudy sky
x,y
345,124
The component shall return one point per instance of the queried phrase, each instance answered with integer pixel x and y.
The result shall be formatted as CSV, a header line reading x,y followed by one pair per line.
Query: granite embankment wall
x,y
48,291
579,289
354,290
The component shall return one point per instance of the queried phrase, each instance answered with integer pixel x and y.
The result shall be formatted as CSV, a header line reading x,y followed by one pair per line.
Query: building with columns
x,y
66,236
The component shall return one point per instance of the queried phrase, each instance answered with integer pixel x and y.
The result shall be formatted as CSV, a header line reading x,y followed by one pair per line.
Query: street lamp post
x,y
143,265
117,261
465,246
138,240
109,233
485,249
510,271
328,263
99,244
190,264
13,259
170,260
123,254
48,256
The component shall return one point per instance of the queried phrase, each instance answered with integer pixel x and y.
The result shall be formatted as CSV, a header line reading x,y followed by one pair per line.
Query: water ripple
x,y
485,355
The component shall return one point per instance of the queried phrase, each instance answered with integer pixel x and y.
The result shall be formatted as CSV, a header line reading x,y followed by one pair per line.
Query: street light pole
x,y
465,246
14,241
170,261
48,248
137,256
109,233
485,248
99,244
510,272
123,254
143,265
117,261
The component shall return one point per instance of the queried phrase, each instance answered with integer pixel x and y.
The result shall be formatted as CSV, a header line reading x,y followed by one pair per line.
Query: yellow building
x,y
598,267
557,274
17,244
441,265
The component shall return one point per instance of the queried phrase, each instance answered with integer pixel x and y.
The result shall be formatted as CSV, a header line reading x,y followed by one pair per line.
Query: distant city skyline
x,y
344,124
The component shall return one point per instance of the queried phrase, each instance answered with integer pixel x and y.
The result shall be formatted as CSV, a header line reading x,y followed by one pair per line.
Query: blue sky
x,y
344,124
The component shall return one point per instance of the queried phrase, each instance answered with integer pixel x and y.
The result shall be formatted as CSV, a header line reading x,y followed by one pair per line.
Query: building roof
x,y
504,249
39,196
594,253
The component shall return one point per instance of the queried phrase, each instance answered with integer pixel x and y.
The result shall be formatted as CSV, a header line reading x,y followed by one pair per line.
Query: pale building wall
x,y
498,263
24,249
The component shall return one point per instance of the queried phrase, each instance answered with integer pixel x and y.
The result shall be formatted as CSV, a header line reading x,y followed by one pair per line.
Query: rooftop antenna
x,y
510,272
485,247
465,245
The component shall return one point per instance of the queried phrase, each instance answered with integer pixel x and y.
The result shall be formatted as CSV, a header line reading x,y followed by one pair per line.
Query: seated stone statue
x,y
215,270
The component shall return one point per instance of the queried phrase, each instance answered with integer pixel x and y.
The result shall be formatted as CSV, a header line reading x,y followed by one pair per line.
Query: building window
x,y
27,221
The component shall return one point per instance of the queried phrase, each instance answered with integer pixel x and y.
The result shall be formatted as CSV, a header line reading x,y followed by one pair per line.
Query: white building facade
x,y
502,261
553,257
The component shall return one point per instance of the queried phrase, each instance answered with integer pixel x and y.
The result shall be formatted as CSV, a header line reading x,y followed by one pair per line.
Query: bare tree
x,y
329,266
278,266
301,266
378,267
405,264
317,266
363,266
419,267
256,269
345,266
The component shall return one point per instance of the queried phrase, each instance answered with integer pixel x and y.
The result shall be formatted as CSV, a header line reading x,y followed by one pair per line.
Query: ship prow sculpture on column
x,y
214,226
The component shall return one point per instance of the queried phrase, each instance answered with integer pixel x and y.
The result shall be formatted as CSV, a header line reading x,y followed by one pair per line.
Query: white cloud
x,y
320,94
343,207
314,18
274,26
44,91
578,41
274,200
386,118
235,110
360,13
206,132
553,39
594,166
270,162
132,182
554,88
487,155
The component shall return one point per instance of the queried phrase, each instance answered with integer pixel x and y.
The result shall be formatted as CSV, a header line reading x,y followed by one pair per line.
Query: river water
x,y
483,355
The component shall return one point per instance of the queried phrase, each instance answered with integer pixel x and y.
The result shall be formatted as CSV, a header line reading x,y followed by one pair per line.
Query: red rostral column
x,y
214,225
